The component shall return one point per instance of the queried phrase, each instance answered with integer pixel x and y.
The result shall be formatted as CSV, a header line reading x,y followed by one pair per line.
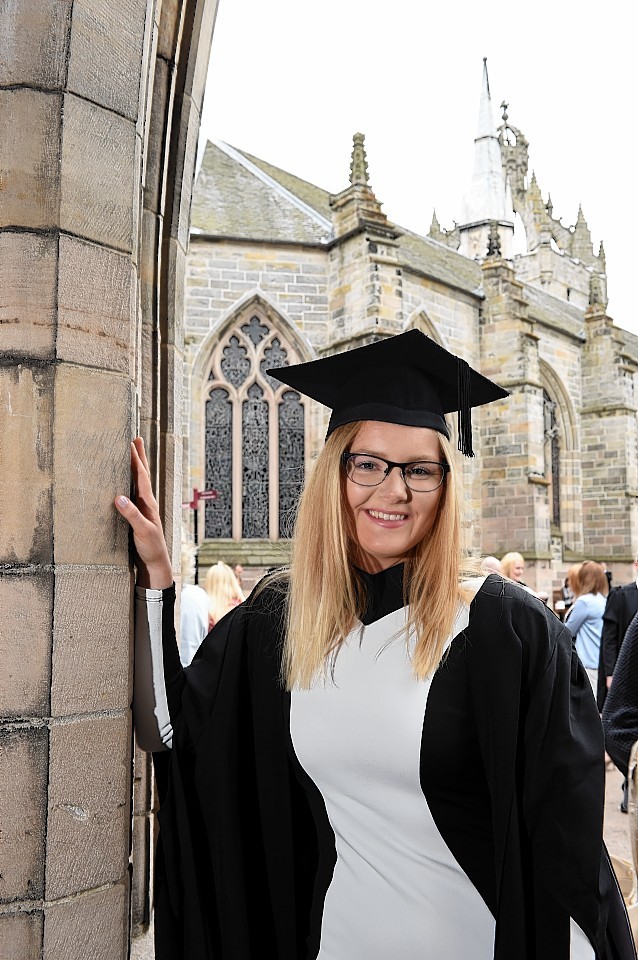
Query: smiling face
x,y
390,519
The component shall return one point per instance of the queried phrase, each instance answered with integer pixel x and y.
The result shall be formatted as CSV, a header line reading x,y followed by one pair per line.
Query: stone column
x,y
76,91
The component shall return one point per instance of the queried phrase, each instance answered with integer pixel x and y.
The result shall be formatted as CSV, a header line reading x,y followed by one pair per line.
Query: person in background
x,y
491,565
584,619
622,605
513,567
620,713
238,570
223,590
193,617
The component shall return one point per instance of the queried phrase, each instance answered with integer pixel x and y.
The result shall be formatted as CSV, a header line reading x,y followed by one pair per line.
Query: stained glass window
x,y
291,458
219,464
248,414
235,364
255,330
255,507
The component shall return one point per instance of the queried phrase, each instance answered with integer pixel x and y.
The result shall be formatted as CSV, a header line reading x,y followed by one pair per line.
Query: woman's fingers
x,y
140,450
153,562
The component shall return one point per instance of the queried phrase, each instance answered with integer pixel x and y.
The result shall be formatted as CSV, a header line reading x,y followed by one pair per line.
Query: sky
x,y
291,81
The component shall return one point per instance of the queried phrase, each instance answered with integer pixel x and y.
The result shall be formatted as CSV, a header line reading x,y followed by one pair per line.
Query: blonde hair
x,y
223,590
587,577
326,594
508,561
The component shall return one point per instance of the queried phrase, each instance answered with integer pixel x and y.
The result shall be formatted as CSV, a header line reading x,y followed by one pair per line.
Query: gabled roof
x,y
236,197
436,260
308,192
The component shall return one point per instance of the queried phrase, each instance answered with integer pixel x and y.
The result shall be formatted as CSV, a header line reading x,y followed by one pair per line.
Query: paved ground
x,y
616,838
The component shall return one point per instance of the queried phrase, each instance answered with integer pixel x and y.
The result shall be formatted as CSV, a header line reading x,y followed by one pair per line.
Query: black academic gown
x,y
621,607
247,852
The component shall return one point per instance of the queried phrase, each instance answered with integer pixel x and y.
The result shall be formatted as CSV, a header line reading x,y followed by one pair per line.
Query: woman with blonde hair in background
x,y
224,592
314,808
589,585
512,567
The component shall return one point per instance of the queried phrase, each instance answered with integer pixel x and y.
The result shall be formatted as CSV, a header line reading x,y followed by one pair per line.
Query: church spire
x,y
488,198
359,161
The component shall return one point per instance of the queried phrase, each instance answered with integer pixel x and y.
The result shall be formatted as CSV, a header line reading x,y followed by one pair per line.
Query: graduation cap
x,y
407,379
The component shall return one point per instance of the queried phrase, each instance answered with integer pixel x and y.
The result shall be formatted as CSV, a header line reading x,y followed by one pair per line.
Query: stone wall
x,y
99,103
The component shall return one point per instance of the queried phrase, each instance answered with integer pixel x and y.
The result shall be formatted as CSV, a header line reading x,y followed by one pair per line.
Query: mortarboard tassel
x,y
464,417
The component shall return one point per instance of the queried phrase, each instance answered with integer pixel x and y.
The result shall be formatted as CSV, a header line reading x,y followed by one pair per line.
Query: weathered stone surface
x,y
94,925
173,386
26,602
30,162
106,49
172,502
176,272
23,792
169,26
92,436
96,306
89,804
28,278
98,174
21,935
26,455
35,39
148,268
156,141
91,651
140,885
180,177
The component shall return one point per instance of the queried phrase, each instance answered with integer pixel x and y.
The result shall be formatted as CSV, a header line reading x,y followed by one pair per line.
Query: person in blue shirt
x,y
589,586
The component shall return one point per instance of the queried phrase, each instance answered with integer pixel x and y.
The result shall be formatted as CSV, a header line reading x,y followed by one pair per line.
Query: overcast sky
x,y
291,80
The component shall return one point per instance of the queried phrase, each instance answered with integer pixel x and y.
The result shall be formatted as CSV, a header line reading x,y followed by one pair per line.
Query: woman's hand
x,y
153,562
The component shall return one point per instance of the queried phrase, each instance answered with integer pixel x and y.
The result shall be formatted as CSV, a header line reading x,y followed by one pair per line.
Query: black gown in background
x,y
511,766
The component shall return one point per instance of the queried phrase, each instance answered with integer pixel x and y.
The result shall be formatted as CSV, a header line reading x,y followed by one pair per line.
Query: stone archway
x,y
99,107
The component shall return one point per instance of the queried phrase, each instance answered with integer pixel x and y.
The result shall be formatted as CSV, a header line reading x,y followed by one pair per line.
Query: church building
x,y
280,271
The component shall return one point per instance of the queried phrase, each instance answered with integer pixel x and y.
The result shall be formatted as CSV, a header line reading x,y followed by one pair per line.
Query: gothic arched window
x,y
552,456
254,435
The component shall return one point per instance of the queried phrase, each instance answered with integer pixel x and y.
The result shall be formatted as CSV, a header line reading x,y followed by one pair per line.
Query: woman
x,y
373,757
223,591
589,586
513,567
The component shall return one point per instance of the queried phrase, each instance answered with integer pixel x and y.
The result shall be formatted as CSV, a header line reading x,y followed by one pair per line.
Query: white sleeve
x,y
152,720
580,947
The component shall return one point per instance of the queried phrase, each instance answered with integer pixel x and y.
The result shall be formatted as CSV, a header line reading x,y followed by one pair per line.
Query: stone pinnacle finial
x,y
494,240
358,163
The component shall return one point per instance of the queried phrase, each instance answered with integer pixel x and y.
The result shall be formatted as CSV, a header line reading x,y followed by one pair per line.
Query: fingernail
x,y
122,502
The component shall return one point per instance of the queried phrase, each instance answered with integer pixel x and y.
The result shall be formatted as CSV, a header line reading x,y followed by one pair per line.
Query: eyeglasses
x,y
422,476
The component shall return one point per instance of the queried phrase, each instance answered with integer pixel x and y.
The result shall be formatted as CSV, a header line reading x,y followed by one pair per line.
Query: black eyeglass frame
x,y
391,464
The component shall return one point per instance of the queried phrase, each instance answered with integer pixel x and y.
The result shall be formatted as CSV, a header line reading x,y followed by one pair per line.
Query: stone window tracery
x,y
552,456
255,431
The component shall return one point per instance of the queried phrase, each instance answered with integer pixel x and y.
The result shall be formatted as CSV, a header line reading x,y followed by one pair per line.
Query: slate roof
x,y
556,313
435,260
235,198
